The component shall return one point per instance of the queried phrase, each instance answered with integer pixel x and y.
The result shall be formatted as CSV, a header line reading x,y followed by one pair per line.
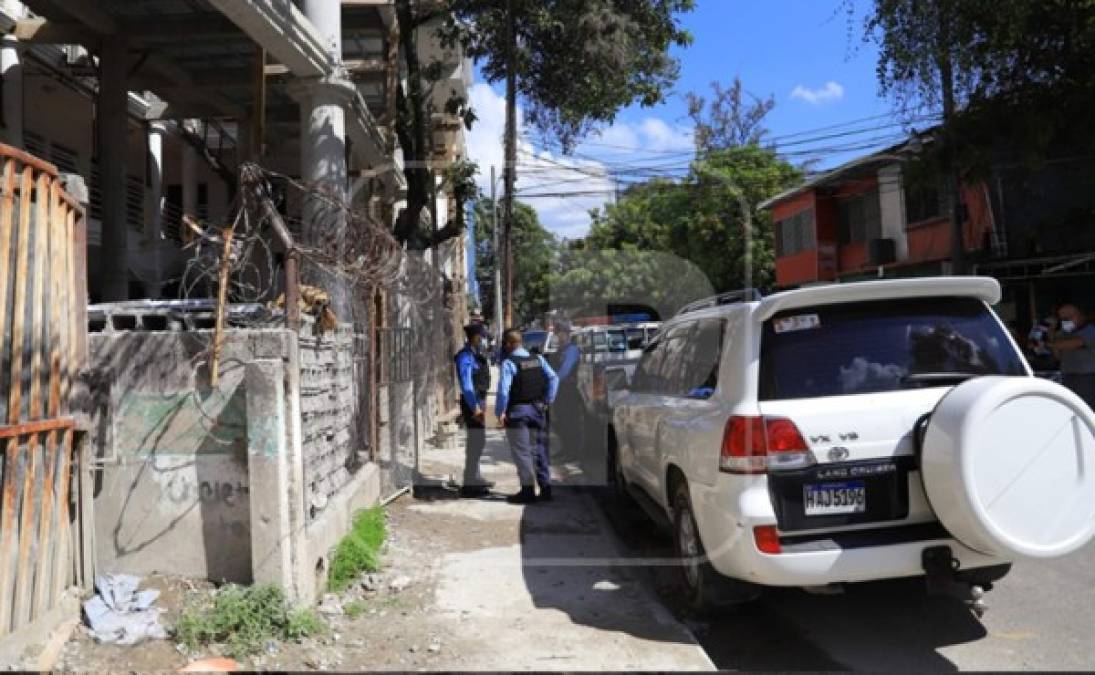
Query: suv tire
x,y
705,589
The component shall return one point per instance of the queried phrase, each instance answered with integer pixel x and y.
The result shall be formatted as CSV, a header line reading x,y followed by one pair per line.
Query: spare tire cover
x,y
1009,467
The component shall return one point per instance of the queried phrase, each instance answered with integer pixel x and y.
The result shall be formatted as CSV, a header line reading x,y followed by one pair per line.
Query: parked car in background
x,y
850,433
540,341
607,348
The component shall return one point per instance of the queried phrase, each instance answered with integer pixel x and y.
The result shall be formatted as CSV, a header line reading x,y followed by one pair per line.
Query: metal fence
x,y
42,346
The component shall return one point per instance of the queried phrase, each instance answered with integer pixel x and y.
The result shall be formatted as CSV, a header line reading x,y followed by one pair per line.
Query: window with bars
x,y
860,218
796,234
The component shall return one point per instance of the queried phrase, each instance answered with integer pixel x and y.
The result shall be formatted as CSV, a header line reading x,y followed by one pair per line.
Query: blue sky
x,y
799,51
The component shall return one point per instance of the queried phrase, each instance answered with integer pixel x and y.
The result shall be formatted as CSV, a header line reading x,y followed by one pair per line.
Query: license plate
x,y
827,499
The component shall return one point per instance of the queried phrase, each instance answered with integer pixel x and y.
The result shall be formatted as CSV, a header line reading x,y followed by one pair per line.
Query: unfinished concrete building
x,y
248,468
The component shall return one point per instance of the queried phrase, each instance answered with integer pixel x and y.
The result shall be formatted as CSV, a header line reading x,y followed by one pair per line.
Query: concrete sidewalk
x,y
548,589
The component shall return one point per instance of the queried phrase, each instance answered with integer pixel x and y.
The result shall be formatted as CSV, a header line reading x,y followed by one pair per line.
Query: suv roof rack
x,y
727,298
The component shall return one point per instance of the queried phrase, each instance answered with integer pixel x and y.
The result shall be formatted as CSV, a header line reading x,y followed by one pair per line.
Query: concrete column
x,y
891,197
156,133
268,474
11,65
326,16
323,123
113,135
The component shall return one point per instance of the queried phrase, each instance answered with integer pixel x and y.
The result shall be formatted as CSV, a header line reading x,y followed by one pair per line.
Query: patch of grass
x,y
359,551
354,609
244,619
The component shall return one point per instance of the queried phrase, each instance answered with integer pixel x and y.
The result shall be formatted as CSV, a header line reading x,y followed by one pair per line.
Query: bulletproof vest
x,y
529,384
480,379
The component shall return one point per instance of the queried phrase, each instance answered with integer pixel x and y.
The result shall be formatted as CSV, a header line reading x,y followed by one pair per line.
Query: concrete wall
x,y
222,483
173,492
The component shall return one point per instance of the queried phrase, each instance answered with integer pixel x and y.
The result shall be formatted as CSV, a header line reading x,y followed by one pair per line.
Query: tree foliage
x,y
535,254
704,217
578,61
415,109
1023,70
589,281
731,118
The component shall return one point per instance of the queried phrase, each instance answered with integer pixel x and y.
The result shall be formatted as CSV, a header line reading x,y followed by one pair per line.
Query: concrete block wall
x,y
332,402
217,483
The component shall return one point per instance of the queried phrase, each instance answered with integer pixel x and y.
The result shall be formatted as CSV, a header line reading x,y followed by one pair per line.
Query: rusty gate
x,y
42,346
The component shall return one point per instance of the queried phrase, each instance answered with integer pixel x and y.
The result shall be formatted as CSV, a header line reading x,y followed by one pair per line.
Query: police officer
x,y
526,388
473,373
567,404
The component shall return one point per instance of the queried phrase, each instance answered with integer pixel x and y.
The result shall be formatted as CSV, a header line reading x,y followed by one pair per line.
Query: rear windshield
x,y
868,347
534,339
617,341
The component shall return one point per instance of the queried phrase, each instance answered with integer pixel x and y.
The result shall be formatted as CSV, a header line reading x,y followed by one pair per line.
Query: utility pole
x,y
511,151
498,324
946,74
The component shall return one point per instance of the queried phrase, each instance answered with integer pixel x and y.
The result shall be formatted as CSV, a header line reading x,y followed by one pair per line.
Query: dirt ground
x,y
466,585
395,631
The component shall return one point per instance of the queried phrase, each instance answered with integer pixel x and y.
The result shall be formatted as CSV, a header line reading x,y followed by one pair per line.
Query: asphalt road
x,y
1040,617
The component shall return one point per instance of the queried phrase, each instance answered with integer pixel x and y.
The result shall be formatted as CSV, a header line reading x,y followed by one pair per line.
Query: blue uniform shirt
x,y
509,371
571,353
466,366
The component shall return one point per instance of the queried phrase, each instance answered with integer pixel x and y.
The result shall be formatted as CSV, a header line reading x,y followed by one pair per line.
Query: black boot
x,y
526,496
545,493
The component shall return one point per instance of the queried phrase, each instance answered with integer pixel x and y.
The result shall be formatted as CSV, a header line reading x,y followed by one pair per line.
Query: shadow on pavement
x,y
570,563
883,626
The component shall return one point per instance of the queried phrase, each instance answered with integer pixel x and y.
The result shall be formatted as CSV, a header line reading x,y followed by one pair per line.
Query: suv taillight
x,y
753,445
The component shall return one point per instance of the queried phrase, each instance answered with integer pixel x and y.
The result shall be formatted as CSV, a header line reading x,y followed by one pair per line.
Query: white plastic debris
x,y
120,614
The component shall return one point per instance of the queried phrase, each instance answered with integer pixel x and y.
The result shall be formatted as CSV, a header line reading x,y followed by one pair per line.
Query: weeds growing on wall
x,y
359,551
244,619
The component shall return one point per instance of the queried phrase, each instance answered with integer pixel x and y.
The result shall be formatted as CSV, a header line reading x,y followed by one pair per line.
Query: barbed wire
x,y
342,249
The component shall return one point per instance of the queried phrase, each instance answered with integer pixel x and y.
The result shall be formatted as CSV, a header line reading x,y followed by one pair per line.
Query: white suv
x,y
853,432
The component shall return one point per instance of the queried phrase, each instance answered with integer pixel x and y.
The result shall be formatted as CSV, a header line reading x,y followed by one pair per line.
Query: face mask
x,y
1068,326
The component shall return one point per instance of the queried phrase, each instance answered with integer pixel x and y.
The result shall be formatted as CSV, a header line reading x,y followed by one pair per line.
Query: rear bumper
x,y
726,528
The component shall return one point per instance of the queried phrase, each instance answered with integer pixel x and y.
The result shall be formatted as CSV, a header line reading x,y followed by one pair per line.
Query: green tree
x,y
732,117
414,121
535,253
578,61
1021,70
703,218
589,280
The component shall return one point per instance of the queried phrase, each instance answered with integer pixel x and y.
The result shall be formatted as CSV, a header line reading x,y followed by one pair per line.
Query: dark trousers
x,y
565,419
475,440
1082,384
526,429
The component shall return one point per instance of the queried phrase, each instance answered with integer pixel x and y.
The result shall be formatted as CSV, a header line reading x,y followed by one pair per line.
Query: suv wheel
x,y
704,588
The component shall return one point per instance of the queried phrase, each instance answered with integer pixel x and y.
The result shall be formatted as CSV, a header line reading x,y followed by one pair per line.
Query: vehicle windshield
x,y
535,339
635,338
617,341
869,347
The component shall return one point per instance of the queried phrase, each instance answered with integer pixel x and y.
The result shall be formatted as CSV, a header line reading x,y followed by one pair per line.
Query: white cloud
x,y
831,91
576,183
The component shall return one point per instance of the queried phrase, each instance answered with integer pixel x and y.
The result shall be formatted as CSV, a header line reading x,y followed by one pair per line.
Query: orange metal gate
x,y
42,345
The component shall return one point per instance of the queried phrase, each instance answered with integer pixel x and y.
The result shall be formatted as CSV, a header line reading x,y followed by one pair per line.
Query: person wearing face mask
x,y
1074,345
